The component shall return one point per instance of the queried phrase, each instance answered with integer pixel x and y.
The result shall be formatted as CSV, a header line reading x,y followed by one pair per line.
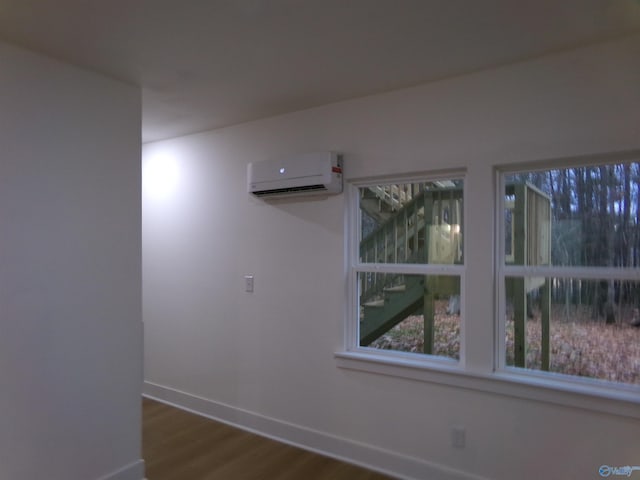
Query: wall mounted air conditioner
x,y
307,174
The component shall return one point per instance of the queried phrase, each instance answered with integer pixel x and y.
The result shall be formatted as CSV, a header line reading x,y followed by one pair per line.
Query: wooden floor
x,y
178,445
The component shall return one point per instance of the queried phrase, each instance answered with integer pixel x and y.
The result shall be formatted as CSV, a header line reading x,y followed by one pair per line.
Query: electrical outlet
x,y
248,283
458,437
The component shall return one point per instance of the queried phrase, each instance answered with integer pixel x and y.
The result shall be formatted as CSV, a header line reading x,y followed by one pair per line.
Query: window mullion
x,y
479,267
409,268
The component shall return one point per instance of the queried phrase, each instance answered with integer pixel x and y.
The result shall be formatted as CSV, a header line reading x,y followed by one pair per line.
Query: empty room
x,y
399,239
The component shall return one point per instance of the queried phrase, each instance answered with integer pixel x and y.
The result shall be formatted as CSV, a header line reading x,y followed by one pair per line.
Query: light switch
x,y
458,435
248,283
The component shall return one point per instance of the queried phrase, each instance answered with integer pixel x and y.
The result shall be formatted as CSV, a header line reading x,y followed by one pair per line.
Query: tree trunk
x,y
608,193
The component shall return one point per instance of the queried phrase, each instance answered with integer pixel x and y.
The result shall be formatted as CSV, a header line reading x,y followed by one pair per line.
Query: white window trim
x,y
620,401
594,395
585,273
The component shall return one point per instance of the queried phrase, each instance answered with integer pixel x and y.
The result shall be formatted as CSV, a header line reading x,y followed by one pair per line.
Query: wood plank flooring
x,y
179,445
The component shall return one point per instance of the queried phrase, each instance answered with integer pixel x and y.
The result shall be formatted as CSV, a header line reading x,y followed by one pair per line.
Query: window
x,y
406,268
541,300
568,272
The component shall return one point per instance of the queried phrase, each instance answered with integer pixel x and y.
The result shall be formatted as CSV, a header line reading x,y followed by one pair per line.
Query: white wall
x,y
70,273
265,360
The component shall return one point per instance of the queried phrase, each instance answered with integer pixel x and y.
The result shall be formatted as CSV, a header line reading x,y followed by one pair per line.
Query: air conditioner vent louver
x,y
308,174
279,191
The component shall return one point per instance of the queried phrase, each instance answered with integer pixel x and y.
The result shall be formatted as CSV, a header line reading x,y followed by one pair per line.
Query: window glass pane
x,y
583,216
586,328
412,223
410,313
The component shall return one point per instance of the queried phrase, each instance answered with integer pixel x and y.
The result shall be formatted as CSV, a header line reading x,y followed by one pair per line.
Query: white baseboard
x,y
373,458
133,471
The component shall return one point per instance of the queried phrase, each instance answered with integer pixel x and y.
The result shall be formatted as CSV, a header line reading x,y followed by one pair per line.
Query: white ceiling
x,y
205,64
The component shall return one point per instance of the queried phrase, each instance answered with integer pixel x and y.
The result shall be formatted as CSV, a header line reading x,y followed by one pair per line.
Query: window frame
x,y
478,368
354,267
503,270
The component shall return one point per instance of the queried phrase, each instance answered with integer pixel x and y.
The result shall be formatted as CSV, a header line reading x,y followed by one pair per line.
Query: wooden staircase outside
x,y
382,201
379,316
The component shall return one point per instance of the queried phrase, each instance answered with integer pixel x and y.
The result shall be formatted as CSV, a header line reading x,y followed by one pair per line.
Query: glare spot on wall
x,y
160,176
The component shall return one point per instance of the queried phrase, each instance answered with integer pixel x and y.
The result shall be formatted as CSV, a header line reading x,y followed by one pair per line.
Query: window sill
x,y
533,386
